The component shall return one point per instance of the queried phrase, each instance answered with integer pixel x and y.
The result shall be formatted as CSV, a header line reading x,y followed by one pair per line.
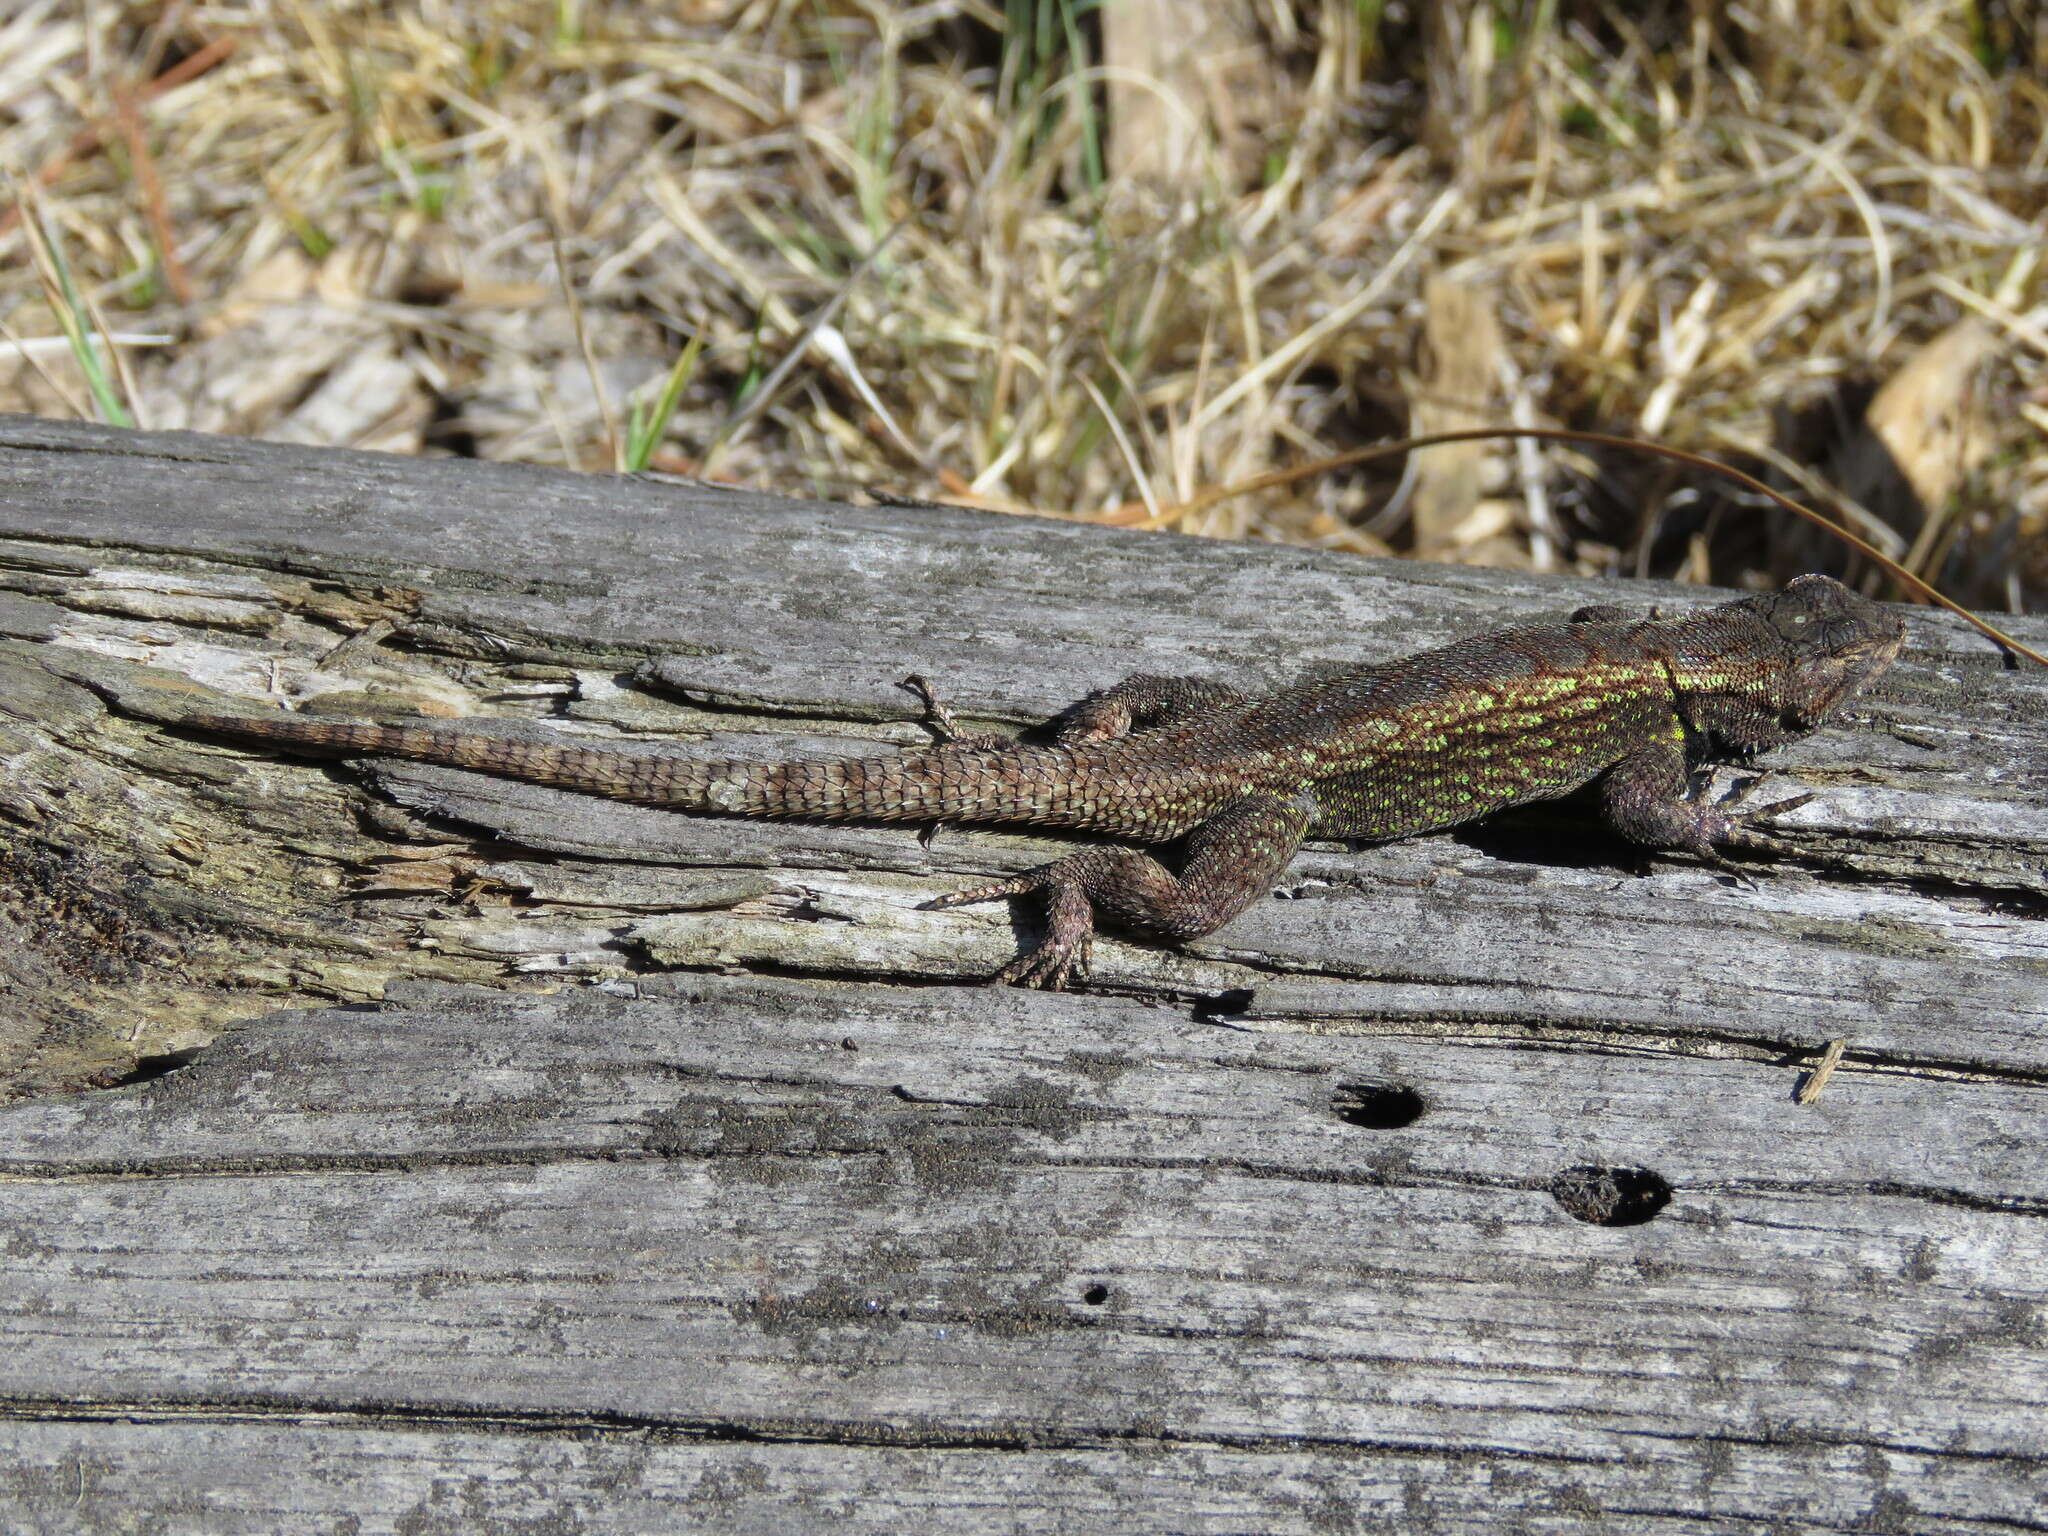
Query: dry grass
x,y
478,226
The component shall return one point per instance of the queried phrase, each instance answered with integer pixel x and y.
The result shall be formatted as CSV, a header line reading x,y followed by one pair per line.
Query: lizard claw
x,y
1050,966
1751,826
1734,873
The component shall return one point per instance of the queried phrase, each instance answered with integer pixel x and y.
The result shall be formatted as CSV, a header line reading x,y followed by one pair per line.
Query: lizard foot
x,y
1751,827
1714,830
1063,954
1051,965
939,720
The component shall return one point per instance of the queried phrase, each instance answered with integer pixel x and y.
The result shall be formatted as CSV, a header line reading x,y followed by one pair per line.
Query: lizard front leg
x,y
1230,860
1643,797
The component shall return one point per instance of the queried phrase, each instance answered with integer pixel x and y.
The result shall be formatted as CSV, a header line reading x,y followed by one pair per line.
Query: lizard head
x,y
1833,641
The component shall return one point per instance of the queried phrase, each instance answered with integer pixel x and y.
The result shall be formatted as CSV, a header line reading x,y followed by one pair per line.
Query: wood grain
x,y
760,1213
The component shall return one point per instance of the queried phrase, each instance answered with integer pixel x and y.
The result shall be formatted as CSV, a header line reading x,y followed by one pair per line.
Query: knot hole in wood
x,y
1377,1106
1611,1197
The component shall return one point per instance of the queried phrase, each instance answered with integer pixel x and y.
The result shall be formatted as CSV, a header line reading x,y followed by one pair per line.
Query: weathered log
x,y
1462,1187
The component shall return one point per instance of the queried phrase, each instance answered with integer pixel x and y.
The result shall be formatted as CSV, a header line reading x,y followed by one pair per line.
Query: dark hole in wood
x,y
1224,1005
1611,1197
1377,1106
1095,1295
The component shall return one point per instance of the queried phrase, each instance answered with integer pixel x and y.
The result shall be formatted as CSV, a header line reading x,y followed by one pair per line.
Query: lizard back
x,y
1452,734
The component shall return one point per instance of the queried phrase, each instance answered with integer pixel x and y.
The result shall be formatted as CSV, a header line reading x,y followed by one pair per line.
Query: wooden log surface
x,y
488,1158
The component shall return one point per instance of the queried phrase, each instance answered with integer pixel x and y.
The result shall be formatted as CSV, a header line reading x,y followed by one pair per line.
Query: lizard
x,y
1631,703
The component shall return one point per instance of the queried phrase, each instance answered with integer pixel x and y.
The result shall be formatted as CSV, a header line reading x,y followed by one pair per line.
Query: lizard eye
x,y
1794,621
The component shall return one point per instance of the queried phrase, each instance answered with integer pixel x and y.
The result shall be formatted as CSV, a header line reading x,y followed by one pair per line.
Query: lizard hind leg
x,y
1142,702
1229,861
938,719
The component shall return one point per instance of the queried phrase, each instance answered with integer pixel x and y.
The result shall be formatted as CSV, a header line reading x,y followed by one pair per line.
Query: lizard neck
x,y
1730,675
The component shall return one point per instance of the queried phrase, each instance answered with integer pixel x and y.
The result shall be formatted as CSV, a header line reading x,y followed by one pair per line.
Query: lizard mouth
x,y
1852,667
1877,653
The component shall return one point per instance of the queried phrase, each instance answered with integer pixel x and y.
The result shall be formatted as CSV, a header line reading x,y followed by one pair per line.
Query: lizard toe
x,y
995,892
1024,971
1754,829
1777,808
1049,967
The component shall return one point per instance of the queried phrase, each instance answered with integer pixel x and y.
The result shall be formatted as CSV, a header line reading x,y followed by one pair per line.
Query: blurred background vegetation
x,y
1081,257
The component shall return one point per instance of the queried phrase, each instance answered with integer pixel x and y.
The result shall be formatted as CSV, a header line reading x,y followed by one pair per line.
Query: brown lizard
x,y
1632,703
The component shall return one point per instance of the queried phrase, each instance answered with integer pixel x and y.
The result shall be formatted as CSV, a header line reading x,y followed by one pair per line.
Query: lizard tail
x,y
954,783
